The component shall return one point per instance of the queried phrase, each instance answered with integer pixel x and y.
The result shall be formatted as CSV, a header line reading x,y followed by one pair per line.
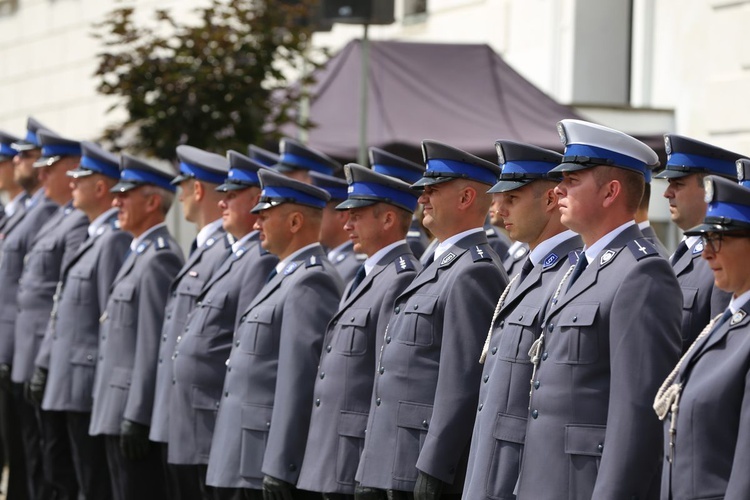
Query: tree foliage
x,y
219,83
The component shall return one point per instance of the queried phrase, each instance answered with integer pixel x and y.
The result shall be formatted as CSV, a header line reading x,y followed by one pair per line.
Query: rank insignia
x,y
290,268
698,248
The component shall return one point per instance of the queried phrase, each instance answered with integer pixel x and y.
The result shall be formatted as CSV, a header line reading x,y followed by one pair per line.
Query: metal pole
x,y
362,154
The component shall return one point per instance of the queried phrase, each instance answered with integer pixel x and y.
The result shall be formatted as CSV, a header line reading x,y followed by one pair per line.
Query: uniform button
x,y
89,357
169,316
164,338
502,323
179,338
322,375
161,360
103,337
268,425
351,319
520,317
545,355
217,404
237,343
398,309
550,327
382,370
388,339
537,384
575,318
317,402
377,402
199,303
229,369
416,306
328,348
494,350
481,406
292,467
334,322
534,414
600,447
209,301
101,358
425,424
174,381
226,394
486,378
256,316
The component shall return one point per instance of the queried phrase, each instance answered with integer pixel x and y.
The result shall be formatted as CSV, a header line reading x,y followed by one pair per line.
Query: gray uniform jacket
x,y
347,261
650,235
610,341
130,332
500,425
513,263
427,378
265,412
8,223
53,247
345,375
183,295
701,300
71,344
498,240
712,444
17,239
201,354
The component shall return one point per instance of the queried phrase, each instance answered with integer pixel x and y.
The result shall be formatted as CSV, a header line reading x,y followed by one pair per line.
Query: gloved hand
x,y
365,493
427,487
5,382
134,443
35,387
276,489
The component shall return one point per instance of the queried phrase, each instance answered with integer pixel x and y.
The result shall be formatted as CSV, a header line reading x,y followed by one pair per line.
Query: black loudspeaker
x,y
359,11
315,20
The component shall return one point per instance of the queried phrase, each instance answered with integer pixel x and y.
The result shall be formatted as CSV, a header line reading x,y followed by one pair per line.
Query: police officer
x,y
688,162
200,173
8,184
296,161
379,212
610,334
64,375
526,200
264,414
333,237
130,332
705,400
204,344
17,233
427,375
386,163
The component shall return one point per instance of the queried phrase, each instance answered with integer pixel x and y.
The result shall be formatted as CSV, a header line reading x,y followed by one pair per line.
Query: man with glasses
x,y
688,162
705,401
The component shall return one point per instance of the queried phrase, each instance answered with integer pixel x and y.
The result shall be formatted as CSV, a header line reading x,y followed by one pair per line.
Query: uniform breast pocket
x,y
573,340
190,286
350,337
517,335
123,298
79,284
419,318
211,306
256,332
48,258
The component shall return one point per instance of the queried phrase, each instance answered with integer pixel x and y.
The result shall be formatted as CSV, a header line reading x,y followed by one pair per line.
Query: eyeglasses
x,y
713,240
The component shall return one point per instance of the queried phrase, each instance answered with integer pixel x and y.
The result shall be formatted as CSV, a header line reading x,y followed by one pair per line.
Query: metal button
x,y
226,394
545,355
481,405
575,318
425,424
351,319
398,309
217,404
164,338
382,370
494,350
268,425
237,343
179,338
243,318
89,357
322,375
535,414
600,447
537,384
292,467
388,339
317,402
328,348
377,402
416,306
502,323
486,378
256,316
520,317
550,327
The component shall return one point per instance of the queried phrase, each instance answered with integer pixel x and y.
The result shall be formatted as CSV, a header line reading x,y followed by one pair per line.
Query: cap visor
x,y
177,180
503,186
231,186
24,146
46,161
671,174
79,172
713,228
122,187
354,203
282,167
568,167
429,181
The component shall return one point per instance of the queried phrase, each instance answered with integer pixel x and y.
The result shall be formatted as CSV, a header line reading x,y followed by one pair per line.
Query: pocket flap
x,y
352,424
523,315
124,292
510,428
688,297
256,417
120,378
579,315
205,398
216,300
421,304
261,314
355,317
584,440
46,245
83,356
414,415
190,286
84,272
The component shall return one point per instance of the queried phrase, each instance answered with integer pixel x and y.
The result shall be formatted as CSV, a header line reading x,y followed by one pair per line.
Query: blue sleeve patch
x,y
641,248
403,263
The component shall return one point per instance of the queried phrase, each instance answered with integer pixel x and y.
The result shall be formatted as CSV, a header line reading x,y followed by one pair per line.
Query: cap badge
x,y
708,185
561,131
740,172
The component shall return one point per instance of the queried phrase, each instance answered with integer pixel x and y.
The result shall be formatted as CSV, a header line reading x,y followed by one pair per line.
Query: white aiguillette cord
x,y
668,396
499,306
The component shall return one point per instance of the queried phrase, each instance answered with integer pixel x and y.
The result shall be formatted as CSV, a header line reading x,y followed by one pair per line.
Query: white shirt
x,y
137,241
737,302
34,199
99,221
13,204
238,244
443,246
202,237
374,258
604,241
281,265
547,245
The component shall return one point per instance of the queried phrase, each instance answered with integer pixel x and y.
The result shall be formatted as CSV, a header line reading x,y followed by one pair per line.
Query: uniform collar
x,y
100,221
239,243
604,241
738,302
544,248
443,246
137,241
206,231
282,265
373,259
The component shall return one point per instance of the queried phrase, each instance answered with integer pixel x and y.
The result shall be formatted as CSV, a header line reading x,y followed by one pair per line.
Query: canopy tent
x,y
464,95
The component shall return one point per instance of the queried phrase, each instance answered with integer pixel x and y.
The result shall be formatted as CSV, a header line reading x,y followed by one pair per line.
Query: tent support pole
x,y
362,153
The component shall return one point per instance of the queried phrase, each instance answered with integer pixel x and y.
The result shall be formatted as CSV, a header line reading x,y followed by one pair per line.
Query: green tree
x,y
219,83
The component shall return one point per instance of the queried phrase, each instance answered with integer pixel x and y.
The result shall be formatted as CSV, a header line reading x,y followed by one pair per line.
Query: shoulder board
x,y
641,248
490,232
413,234
550,260
314,260
290,268
446,259
520,252
403,263
573,257
161,243
480,252
142,247
698,247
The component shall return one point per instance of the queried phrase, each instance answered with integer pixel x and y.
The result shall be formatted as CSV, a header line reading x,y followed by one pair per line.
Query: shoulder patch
x,y
550,260
403,263
290,268
448,258
314,260
480,252
573,257
698,247
161,243
641,248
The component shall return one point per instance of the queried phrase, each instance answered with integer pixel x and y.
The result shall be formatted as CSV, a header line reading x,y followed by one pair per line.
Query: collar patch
x,y
606,257
550,260
737,317
447,259
520,253
698,248
290,268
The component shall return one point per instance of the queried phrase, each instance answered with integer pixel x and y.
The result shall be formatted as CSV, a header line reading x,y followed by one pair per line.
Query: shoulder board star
x,y
550,260
404,264
314,260
480,252
448,258
698,248
641,248
290,268
737,317
607,257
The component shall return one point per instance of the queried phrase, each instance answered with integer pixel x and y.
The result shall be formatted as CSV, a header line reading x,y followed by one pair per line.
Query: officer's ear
x,y
199,190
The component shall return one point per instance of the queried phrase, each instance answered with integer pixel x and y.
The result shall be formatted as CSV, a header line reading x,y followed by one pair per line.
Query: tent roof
x,y
464,95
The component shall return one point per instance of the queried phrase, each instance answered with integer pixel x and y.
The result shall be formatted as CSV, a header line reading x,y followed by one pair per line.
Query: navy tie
x,y
272,274
581,266
681,249
194,246
357,279
526,269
